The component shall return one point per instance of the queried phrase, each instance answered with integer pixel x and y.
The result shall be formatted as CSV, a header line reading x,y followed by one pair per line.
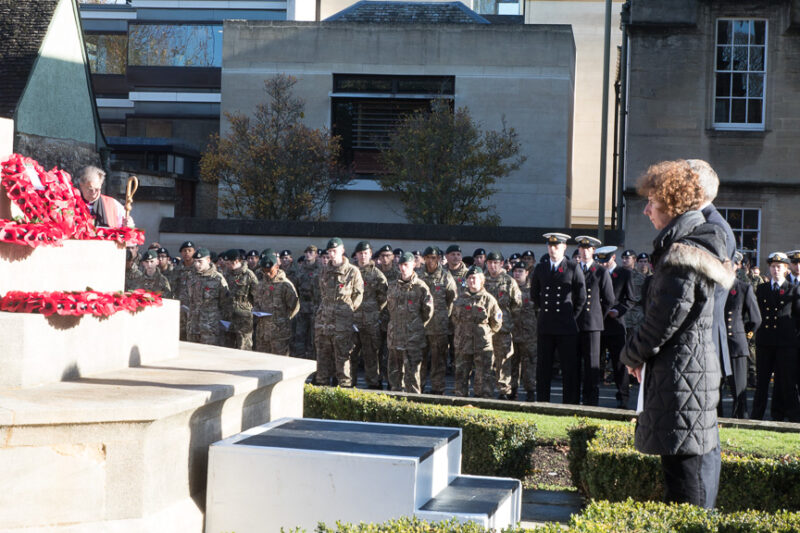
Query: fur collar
x,y
701,261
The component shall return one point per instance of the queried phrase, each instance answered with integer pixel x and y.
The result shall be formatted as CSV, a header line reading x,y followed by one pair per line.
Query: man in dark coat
x,y
599,299
742,319
558,291
613,336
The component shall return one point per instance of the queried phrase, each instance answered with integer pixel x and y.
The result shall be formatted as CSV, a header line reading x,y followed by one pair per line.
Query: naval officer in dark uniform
x,y
776,343
613,337
742,319
558,291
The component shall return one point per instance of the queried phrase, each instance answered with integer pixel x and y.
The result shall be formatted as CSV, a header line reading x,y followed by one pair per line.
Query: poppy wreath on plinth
x,y
70,303
52,208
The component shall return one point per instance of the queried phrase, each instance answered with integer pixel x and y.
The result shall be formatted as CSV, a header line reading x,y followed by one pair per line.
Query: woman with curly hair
x,y
673,354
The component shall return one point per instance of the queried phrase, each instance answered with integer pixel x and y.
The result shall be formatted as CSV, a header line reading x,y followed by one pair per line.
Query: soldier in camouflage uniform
x,y
185,270
133,276
242,286
525,335
341,290
151,279
476,317
385,262
307,287
367,317
444,292
456,267
506,291
167,269
208,298
276,295
410,309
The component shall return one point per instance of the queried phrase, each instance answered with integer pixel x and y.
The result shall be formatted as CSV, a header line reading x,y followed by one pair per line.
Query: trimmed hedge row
x,y
606,517
605,466
491,445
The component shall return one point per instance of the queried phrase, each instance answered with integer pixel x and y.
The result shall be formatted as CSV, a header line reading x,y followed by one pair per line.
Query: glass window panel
x,y
741,31
722,110
734,218
750,240
755,113
738,110
739,85
107,53
167,45
723,31
759,32
755,85
724,84
750,219
739,58
757,58
724,57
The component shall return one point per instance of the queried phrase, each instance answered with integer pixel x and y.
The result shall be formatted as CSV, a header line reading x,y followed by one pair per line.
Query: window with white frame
x,y
740,73
746,226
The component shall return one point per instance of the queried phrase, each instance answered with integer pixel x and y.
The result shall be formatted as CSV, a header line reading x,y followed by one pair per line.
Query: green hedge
x,y
491,445
605,466
607,517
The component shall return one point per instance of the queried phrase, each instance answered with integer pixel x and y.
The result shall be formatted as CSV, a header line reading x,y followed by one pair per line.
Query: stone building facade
x,y
718,81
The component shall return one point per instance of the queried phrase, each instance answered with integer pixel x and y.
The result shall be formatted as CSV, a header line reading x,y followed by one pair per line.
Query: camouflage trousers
x,y
404,369
368,344
525,371
240,334
273,338
205,338
183,335
435,363
504,361
483,380
334,350
304,335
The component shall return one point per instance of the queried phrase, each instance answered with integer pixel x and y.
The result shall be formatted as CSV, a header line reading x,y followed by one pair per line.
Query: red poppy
x,y
410,302
614,275
467,307
561,269
733,292
781,291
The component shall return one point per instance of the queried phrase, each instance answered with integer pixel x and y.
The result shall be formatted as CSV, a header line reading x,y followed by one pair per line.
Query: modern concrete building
x,y
351,69
718,81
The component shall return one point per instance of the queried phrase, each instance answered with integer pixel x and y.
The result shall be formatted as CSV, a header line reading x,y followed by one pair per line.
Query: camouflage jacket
x,y
278,297
308,286
459,275
393,274
242,286
410,308
155,283
525,324
179,290
444,292
133,278
476,317
375,289
506,291
208,298
341,291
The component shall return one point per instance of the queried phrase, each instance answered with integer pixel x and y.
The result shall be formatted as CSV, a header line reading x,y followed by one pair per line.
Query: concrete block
x,y
39,349
665,12
73,267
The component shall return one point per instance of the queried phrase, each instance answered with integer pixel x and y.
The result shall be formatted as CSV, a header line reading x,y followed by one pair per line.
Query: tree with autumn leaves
x,y
272,166
444,167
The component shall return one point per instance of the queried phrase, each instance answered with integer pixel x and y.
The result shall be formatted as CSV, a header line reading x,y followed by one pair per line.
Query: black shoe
x,y
503,397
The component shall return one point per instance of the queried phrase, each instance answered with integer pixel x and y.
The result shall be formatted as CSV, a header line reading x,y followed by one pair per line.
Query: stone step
x,y
491,502
540,506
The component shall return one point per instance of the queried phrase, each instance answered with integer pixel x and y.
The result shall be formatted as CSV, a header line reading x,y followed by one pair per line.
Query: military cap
x,y
416,253
738,257
311,248
384,248
575,252
453,248
268,259
398,251
794,256
323,252
778,257
556,238
187,244
333,243
643,255
514,257
629,253
242,252
494,256
585,241
149,254
406,257
285,253
432,250
604,254
469,261
362,245
478,251
175,260
252,253
529,253
474,269
201,253
231,255
214,257
518,264
162,250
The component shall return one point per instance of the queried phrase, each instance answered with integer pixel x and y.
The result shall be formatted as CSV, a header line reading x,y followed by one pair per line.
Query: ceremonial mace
x,y
130,190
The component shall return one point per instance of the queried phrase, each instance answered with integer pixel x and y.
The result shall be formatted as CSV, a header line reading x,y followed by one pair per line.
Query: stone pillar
x,y
6,149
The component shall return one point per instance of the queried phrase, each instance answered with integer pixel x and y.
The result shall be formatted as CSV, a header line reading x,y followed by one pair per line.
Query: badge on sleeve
x,y
498,316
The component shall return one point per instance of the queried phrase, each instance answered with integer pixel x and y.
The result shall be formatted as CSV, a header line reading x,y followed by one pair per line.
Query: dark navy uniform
x,y
613,336
559,294
742,316
776,352
599,299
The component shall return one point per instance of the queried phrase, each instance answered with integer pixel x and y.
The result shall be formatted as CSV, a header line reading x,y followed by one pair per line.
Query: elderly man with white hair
x,y
107,212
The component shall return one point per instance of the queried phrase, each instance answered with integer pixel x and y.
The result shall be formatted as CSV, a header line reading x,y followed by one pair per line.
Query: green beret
x,y
431,250
494,256
385,248
201,253
268,259
474,270
407,257
333,243
362,245
453,248
150,254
